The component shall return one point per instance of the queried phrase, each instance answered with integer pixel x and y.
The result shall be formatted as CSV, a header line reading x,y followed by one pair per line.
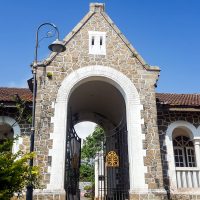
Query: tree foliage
x,y
23,109
15,172
87,172
91,145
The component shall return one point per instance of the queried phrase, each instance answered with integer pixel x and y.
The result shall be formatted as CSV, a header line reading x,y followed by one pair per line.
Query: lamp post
x,y
56,46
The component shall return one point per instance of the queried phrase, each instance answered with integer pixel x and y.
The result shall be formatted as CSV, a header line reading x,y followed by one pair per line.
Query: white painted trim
x,y
137,169
16,129
194,134
97,49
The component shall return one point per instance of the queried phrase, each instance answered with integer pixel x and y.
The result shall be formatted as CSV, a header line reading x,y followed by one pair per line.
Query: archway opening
x,y
6,132
102,103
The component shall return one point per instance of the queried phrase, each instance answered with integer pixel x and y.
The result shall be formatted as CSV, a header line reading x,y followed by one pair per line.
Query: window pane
x,y
178,156
190,156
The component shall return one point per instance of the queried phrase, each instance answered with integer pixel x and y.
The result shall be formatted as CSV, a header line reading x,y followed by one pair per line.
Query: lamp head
x,y
57,46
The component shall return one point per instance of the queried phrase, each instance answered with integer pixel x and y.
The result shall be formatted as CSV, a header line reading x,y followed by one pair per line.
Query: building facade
x,y
101,78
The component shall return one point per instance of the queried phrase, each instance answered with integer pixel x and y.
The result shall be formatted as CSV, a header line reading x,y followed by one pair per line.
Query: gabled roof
x,y
100,7
186,100
8,94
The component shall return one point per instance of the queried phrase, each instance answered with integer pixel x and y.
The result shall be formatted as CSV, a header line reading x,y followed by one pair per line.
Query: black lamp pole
x,y
56,46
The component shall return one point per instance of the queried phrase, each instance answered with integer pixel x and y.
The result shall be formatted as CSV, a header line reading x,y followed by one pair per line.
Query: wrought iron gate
x,y
112,166
73,159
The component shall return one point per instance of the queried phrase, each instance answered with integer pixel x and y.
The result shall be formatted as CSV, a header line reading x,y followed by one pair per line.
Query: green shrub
x,y
15,172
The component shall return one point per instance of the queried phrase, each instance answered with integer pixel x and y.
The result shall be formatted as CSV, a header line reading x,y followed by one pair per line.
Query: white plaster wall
x,y
134,121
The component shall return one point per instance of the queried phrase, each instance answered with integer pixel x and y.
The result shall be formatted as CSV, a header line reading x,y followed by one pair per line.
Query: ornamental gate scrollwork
x,y
112,159
112,166
72,166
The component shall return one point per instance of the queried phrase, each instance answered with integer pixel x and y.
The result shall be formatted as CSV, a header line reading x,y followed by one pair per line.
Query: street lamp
x,y
57,46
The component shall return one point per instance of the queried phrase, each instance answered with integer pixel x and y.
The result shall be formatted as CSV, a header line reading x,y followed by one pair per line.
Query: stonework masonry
x,y
118,56
154,117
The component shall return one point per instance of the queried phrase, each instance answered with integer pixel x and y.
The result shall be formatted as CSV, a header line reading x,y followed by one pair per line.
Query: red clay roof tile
x,y
192,100
8,94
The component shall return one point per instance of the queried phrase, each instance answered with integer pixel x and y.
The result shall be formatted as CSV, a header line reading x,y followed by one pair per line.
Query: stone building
x,y
101,78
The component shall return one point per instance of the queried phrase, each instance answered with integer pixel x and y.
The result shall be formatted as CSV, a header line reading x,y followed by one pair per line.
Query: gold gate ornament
x,y
112,159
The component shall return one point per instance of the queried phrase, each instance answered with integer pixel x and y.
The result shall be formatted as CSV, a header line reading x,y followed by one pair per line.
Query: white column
x,y
197,151
189,179
136,153
179,182
59,148
195,178
184,178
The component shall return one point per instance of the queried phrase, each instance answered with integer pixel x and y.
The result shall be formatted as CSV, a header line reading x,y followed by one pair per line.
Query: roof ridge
x,y
13,88
178,93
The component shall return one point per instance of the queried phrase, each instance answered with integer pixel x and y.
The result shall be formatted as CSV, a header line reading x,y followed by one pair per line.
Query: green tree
x,y
91,145
15,172
87,172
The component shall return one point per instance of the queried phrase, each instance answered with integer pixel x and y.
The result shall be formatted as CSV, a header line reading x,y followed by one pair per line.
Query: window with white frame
x,y
97,42
184,154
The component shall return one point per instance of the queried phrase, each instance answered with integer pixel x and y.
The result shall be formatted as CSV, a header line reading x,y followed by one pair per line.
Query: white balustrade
x,y
188,177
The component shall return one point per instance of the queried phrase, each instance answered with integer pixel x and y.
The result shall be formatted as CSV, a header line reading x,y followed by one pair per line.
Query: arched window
x,y
9,128
184,153
6,131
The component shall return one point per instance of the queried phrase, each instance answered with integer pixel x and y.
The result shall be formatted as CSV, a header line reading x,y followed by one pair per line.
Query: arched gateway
x,y
122,97
101,78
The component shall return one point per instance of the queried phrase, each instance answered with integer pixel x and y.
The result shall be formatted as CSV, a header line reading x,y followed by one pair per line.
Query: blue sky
x,y
165,32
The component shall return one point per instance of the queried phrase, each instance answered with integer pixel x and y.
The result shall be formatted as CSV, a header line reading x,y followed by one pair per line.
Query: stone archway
x,y
100,102
133,117
16,130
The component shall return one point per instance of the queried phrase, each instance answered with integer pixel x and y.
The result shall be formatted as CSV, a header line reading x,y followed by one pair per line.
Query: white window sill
x,y
187,169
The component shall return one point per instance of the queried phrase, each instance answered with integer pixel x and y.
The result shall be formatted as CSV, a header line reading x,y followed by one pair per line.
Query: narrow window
x,y
92,40
101,40
97,43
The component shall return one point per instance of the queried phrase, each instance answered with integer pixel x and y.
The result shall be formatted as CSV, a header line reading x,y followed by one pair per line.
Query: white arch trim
x,y
137,169
169,144
16,129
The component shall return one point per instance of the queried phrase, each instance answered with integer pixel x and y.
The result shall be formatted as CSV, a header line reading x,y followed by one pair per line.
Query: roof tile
x,y
179,99
7,94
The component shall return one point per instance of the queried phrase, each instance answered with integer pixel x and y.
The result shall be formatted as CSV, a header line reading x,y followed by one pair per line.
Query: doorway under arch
x,y
133,109
102,103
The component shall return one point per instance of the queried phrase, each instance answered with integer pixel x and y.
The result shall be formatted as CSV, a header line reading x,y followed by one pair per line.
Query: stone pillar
x,y
136,153
197,151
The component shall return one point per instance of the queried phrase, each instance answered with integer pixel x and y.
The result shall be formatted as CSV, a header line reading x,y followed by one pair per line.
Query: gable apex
x,y
100,8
